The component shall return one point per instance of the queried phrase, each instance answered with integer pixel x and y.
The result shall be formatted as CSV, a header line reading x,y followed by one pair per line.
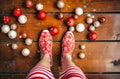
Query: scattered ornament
x,y
102,19
17,12
96,24
24,35
28,41
20,36
92,36
14,46
13,26
80,27
72,29
81,55
25,52
89,15
60,4
5,28
92,16
89,20
29,3
42,14
39,6
60,16
75,16
79,11
7,44
54,30
12,34
92,28
70,21
6,19
82,46
22,19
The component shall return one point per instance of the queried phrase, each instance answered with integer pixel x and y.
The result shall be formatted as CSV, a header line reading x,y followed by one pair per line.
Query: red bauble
x,y
17,12
54,30
60,16
92,36
70,21
29,3
42,14
6,19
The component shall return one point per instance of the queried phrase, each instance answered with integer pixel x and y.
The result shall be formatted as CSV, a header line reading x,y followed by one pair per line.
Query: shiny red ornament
x,y
6,19
92,36
60,16
102,19
17,12
70,21
29,3
54,30
42,14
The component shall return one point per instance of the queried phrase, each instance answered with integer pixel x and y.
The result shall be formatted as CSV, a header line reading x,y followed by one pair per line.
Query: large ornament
x,y
80,27
22,19
60,4
79,11
5,28
39,6
70,21
17,12
28,41
6,19
25,52
12,34
29,3
92,36
54,30
42,14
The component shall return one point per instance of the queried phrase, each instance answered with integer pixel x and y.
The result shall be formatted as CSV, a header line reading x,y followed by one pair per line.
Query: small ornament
x,y
22,19
96,24
60,16
39,6
14,46
42,14
24,35
89,20
12,34
5,28
82,46
92,28
102,19
28,41
17,12
78,11
54,30
29,3
13,26
6,19
25,52
70,21
75,16
80,27
81,55
92,36
72,29
60,4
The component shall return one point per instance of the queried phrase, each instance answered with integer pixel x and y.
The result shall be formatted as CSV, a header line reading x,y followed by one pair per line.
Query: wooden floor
x,y
100,54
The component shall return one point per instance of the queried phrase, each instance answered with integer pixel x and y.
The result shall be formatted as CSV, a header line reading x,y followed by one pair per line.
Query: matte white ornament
x,y
96,24
25,52
89,20
82,46
60,4
12,34
80,27
72,29
14,46
81,55
13,26
92,28
79,11
22,19
28,41
5,28
39,6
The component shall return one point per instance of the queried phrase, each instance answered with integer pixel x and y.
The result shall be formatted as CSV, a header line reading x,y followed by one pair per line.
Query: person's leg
x,y
70,70
42,69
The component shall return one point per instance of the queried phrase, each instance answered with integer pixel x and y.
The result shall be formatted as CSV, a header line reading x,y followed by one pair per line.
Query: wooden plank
x,y
70,5
108,30
12,76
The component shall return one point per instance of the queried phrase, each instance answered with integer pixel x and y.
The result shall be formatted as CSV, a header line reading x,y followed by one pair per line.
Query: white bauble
x,y
72,29
25,52
5,28
89,20
60,4
28,41
81,55
79,11
22,19
80,27
96,24
12,34
39,6
13,26
82,46
14,46
92,28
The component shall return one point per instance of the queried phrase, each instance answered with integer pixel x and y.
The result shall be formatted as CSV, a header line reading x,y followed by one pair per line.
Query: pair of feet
x,y
46,43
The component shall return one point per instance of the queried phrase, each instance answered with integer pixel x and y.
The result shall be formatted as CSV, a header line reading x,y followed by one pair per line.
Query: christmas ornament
x,y
89,20
5,28
79,11
42,14
70,21
102,19
81,55
28,41
13,26
82,46
25,52
39,6
96,24
29,3
24,35
75,16
22,19
72,29
80,27
54,30
60,16
6,19
92,28
60,4
17,12
12,34
14,46
92,36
